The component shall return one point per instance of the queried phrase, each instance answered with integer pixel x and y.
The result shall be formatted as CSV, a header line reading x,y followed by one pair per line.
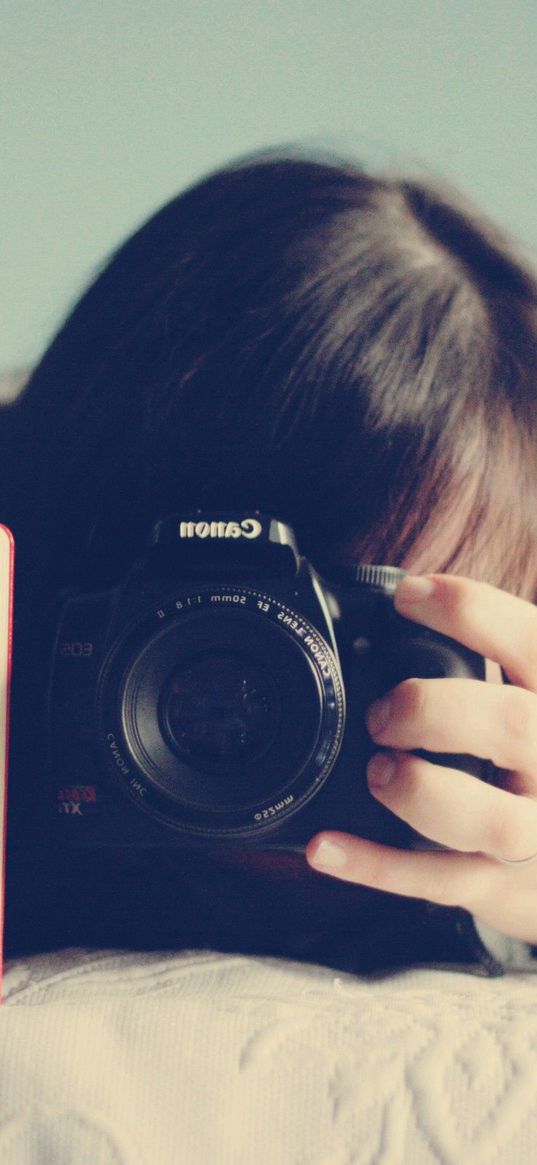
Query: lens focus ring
x,y
229,710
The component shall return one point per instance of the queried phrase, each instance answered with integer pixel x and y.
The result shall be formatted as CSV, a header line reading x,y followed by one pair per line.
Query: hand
x,y
482,824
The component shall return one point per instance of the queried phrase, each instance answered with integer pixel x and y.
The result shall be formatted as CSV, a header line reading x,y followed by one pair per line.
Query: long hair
x,y
352,353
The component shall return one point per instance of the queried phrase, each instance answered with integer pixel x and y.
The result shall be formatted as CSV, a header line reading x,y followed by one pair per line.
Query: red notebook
x,y
7,549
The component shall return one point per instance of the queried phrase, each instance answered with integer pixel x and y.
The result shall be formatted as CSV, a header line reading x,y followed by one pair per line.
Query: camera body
x,y
217,696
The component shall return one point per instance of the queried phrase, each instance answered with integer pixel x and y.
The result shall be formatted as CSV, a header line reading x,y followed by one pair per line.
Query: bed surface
x,y
210,1059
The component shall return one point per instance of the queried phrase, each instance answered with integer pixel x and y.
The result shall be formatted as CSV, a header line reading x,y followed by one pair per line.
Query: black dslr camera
x,y
218,695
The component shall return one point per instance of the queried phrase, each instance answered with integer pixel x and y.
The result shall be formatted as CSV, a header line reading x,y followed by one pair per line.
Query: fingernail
x,y
380,770
329,855
378,714
414,589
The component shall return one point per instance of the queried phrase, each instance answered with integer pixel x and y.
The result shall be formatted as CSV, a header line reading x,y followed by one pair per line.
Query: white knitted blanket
x,y
200,1058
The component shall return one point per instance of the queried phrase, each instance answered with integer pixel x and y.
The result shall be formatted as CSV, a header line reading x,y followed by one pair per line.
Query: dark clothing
x,y
257,902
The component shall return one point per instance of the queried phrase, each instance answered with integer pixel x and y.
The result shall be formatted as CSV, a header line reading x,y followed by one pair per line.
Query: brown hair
x,y
355,354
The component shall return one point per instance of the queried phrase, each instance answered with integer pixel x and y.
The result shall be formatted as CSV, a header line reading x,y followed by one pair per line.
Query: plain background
x,y
111,106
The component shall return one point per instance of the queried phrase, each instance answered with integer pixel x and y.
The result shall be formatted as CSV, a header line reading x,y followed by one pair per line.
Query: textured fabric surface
x,y
210,1059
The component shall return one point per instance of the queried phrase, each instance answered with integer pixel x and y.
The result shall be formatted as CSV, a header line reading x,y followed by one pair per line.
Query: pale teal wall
x,y
113,105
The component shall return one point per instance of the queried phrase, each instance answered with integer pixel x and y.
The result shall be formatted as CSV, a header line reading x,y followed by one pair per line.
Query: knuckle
x,y
501,834
520,716
412,699
446,890
463,886
458,599
475,891
378,870
530,652
412,783
415,715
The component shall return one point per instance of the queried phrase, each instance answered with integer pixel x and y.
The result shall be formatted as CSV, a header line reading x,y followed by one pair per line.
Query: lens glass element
x,y
219,708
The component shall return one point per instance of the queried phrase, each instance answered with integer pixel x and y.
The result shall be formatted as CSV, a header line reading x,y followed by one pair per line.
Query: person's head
x,y
354,354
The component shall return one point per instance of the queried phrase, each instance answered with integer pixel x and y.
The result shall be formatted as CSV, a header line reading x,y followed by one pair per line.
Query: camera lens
x,y
219,708
227,710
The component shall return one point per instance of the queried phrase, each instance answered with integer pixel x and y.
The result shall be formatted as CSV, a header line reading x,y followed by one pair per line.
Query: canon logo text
x,y
248,528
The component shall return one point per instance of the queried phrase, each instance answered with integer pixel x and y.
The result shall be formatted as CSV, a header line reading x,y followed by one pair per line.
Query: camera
x,y
217,695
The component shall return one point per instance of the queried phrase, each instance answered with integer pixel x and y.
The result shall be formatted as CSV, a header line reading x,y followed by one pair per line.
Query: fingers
x,y
453,809
491,721
449,879
501,896
476,821
495,624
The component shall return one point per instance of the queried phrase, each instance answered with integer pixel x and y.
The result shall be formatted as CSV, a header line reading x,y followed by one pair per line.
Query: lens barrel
x,y
227,711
